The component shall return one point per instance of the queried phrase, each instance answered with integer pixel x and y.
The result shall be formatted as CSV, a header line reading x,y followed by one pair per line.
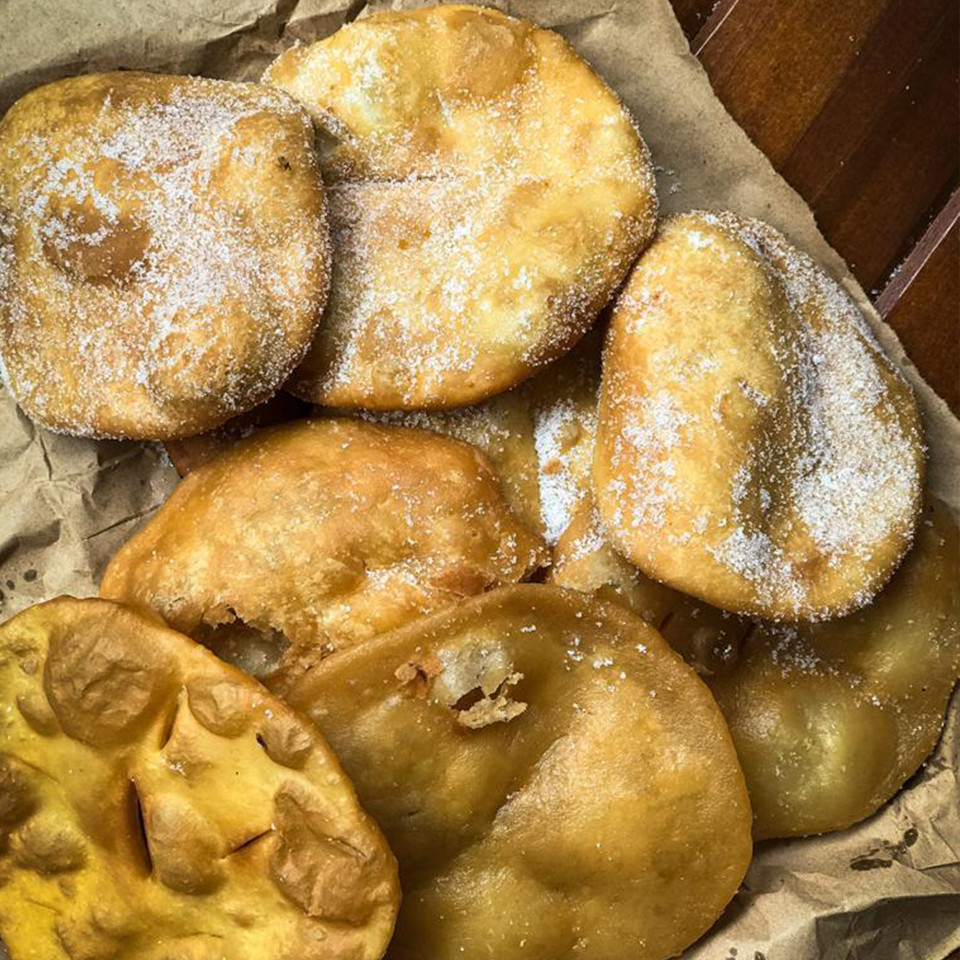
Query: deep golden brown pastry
x,y
829,718
555,782
538,436
756,448
488,193
321,533
155,804
163,251
502,428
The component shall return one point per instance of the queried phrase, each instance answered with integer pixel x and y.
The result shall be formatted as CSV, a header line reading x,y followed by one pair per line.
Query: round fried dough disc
x,y
155,804
319,534
756,448
163,251
554,780
488,193
830,718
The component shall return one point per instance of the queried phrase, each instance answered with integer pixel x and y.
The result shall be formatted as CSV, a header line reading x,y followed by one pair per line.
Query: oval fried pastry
x,y
830,719
321,533
157,803
554,780
488,193
756,448
163,251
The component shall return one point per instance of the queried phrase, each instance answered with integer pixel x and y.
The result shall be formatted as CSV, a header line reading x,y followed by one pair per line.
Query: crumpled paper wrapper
x,y
888,888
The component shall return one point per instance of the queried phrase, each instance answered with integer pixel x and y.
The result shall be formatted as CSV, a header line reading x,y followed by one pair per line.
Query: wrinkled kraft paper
x,y
66,504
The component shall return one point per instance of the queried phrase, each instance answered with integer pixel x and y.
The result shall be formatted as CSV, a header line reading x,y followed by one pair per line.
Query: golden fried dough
x,y
501,428
163,251
707,638
155,804
488,193
319,534
554,780
830,719
755,447
538,436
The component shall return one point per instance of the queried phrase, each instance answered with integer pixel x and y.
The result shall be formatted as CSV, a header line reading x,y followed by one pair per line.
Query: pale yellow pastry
x,y
163,251
554,780
318,534
157,804
488,193
756,448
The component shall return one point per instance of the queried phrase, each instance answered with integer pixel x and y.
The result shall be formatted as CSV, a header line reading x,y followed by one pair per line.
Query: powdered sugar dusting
x,y
481,217
147,224
829,466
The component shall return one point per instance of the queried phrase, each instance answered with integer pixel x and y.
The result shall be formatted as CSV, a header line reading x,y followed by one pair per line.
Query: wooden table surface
x,y
857,104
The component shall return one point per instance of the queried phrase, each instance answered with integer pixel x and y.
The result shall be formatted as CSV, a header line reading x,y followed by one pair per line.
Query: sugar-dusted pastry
x,y
488,193
321,533
155,803
756,448
831,718
553,779
163,251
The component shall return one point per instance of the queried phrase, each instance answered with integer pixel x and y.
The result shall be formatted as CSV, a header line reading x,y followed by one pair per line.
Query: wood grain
x,y
916,298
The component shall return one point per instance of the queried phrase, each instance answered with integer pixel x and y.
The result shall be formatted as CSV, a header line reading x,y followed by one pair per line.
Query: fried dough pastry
x,y
488,193
538,436
163,251
501,428
830,719
554,781
756,448
707,638
156,804
319,534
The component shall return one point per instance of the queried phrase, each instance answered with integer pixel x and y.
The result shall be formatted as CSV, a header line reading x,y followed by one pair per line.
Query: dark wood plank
x,y
693,14
864,120
882,154
921,303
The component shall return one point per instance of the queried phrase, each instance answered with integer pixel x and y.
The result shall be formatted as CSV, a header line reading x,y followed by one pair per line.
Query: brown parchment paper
x,y
65,504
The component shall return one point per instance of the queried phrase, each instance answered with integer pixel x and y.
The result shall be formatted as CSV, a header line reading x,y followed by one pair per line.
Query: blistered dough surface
x,y
755,447
321,533
488,192
554,780
155,804
163,251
